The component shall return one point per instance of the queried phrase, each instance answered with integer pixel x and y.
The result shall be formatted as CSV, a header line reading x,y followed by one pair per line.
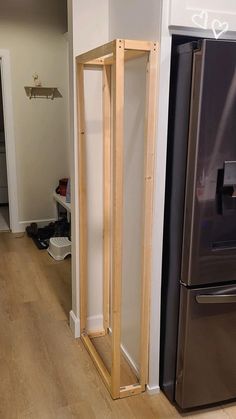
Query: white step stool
x,y
59,247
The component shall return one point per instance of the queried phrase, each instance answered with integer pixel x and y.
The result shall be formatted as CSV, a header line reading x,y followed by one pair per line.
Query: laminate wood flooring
x,y
103,346
44,372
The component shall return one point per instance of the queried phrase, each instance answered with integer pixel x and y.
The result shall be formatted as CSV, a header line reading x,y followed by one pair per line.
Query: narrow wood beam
x,y
109,60
95,63
96,333
131,390
96,53
97,361
131,55
138,45
117,215
106,193
149,156
83,239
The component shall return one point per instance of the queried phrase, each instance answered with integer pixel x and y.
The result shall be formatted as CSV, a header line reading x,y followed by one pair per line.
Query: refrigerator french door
x,y
198,337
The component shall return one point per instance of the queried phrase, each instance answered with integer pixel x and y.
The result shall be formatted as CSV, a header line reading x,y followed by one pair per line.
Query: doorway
x,y
4,202
11,206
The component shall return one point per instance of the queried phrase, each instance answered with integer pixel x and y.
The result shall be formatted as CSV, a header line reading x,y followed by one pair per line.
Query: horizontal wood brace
x,y
104,55
130,390
129,55
96,333
96,53
139,45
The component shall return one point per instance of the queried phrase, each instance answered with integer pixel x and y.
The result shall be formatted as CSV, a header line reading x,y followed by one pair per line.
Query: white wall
x,y
182,12
136,20
88,29
134,112
33,34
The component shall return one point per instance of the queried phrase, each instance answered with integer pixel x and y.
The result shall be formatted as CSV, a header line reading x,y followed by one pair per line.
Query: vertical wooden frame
x,y
149,156
106,194
114,54
117,211
83,233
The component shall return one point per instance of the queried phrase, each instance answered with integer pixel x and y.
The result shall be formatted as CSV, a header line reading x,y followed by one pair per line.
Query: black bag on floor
x,y
41,236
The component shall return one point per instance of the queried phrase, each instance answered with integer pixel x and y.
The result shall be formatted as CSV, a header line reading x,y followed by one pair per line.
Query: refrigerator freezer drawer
x,y
206,361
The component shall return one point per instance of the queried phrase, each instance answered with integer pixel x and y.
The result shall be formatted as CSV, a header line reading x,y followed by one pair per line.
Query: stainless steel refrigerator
x,y
198,330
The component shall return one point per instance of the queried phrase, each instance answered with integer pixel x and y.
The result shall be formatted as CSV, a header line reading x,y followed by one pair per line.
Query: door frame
x,y
9,139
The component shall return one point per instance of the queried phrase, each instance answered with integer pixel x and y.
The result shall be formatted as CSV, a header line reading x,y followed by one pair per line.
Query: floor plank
x,y
103,345
44,372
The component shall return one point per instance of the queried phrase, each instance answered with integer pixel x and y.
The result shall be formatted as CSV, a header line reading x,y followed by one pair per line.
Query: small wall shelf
x,y
36,92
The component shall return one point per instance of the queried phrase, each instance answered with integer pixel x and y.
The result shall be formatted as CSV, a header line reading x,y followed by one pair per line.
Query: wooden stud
x,y
94,63
131,55
138,45
83,240
104,54
97,361
96,53
93,66
131,390
106,193
109,60
150,119
117,203
96,333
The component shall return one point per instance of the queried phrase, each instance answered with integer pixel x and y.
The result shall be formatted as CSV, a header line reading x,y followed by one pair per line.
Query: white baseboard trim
x,y
74,324
130,360
95,323
153,389
20,228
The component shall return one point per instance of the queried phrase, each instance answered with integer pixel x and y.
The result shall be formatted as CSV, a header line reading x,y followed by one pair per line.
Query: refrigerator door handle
x,y
216,299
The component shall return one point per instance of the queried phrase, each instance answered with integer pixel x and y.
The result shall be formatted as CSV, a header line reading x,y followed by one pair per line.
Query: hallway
x,y
45,373
4,218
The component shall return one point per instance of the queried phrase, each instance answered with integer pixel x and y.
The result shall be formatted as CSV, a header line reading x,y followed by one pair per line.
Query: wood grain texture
x,y
149,160
117,211
46,373
97,361
138,45
96,53
106,193
83,230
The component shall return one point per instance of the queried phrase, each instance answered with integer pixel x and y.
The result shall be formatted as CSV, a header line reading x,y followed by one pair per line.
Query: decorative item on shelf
x,y
62,187
37,81
39,91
